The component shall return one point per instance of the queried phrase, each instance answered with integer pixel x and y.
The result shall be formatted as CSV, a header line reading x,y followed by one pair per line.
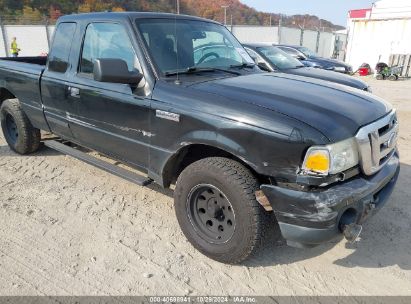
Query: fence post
x,y
3,34
302,36
280,24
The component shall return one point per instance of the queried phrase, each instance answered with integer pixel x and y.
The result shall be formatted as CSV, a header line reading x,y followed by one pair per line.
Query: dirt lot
x,y
70,229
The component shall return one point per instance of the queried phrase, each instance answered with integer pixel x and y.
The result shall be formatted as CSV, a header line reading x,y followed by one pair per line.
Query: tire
x,y
232,199
18,131
392,77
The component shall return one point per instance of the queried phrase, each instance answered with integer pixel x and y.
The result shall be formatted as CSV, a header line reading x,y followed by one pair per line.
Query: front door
x,y
56,102
110,118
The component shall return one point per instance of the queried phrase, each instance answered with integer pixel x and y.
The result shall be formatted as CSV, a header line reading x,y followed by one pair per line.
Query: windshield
x,y
176,45
307,52
279,58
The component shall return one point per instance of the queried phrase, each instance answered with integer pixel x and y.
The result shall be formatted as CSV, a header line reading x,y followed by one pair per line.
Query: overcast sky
x,y
332,10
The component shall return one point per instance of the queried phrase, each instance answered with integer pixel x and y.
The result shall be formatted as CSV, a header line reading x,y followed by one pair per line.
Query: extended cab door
x,y
56,102
108,117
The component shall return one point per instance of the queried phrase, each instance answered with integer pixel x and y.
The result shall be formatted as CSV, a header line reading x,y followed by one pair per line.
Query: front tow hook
x,y
351,232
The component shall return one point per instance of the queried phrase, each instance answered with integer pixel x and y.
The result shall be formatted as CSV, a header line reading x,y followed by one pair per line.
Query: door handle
x,y
74,92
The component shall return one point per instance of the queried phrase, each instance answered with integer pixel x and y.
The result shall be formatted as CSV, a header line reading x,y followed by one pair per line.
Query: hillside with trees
x,y
32,11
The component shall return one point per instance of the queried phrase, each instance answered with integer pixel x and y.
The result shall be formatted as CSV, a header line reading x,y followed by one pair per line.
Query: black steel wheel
x,y
217,210
11,128
211,213
18,131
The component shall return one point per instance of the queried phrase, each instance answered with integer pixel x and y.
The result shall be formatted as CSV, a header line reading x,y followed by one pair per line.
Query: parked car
x,y
241,146
272,59
311,59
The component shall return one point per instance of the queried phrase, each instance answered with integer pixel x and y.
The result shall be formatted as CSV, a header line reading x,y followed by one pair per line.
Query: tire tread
x,y
30,135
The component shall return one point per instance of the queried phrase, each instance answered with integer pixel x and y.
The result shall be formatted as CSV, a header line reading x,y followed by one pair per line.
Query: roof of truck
x,y
128,15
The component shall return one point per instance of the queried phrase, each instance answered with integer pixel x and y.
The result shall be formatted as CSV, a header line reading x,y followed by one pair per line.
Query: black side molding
x,y
123,173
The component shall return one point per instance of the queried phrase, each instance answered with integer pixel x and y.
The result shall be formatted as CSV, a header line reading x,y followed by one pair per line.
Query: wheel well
x,y
5,94
193,153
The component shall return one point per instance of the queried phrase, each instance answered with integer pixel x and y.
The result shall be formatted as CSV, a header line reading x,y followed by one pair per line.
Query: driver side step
x,y
101,164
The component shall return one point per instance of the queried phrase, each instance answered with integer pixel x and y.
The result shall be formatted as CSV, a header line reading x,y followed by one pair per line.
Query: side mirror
x,y
264,66
301,57
115,71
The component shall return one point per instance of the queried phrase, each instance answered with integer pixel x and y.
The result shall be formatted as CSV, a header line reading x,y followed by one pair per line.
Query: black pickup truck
x,y
179,99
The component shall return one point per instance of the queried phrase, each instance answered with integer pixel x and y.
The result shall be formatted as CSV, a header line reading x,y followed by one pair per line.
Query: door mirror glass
x,y
115,71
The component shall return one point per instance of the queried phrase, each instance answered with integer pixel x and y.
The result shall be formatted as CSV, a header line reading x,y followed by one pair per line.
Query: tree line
x,y
24,11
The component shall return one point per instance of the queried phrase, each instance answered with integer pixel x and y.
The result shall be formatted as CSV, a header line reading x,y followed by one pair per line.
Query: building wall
x,y
373,41
389,9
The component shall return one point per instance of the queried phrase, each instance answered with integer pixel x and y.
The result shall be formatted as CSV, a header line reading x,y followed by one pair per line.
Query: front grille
x,y
377,143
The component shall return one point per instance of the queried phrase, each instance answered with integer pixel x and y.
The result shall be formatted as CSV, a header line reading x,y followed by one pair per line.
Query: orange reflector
x,y
318,161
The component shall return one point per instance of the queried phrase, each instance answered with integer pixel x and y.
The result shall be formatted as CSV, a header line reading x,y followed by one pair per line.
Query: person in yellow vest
x,y
14,48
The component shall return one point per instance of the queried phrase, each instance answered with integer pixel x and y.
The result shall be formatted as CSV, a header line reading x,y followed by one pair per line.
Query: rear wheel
x,y
217,210
18,131
393,77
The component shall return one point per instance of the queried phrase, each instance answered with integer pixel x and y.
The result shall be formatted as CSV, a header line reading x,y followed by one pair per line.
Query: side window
x,y
106,40
60,50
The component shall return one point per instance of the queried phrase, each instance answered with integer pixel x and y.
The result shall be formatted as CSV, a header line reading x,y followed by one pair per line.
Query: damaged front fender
x,y
322,208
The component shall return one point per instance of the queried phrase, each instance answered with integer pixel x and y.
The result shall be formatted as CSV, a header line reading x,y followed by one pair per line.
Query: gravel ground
x,y
70,229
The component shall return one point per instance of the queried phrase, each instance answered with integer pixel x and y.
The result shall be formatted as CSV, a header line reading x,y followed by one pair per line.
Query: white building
x,y
376,33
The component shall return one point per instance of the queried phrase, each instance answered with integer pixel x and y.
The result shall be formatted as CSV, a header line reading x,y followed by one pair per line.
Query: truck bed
x,y
39,60
20,77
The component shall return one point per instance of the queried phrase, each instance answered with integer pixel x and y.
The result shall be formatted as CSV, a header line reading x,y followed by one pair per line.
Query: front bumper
x,y
312,218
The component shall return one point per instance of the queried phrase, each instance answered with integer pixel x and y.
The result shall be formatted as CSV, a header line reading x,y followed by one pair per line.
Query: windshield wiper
x,y
194,69
243,65
298,67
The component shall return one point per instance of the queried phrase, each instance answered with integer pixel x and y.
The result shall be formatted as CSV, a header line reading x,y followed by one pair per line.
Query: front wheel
x,y
217,210
18,131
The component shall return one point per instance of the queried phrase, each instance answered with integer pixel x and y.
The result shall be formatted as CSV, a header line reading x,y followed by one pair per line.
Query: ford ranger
x,y
180,100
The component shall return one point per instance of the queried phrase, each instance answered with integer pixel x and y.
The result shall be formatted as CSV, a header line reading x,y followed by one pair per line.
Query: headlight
x,y
331,159
339,69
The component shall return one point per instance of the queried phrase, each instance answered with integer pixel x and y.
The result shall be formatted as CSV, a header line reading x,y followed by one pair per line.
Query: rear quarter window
x,y
60,50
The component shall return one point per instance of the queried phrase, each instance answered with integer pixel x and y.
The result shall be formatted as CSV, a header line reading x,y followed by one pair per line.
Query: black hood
x,y
337,111
328,63
329,76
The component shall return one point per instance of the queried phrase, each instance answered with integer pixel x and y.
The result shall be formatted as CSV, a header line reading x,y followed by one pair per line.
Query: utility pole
x,y
178,7
271,19
225,13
